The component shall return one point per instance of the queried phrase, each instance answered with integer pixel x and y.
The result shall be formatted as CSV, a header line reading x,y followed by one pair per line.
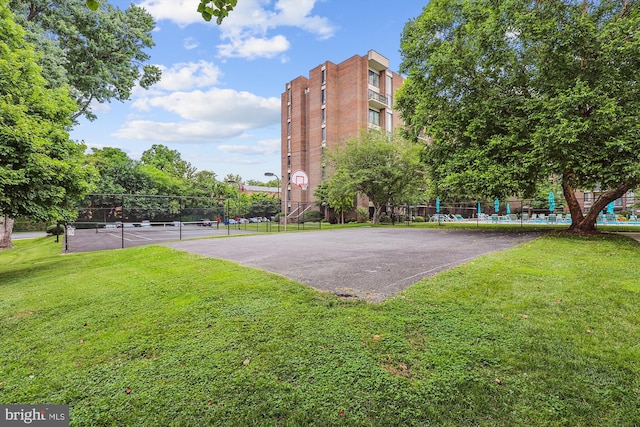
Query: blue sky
x,y
218,103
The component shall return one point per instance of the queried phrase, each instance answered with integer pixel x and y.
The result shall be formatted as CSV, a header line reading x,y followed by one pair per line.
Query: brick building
x,y
334,103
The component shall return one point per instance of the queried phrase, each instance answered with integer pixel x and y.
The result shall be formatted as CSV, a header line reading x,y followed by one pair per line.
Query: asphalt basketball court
x,y
367,263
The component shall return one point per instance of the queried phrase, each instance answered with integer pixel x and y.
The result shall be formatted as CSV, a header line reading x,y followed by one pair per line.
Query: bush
x,y
385,219
311,216
24,224
53,229
419,219
362,214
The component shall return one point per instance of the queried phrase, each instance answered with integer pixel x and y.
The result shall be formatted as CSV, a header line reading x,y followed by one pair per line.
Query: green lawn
x,y
544,334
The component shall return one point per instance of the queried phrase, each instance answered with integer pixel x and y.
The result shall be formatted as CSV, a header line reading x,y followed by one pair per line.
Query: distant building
x,y
330,106
253,189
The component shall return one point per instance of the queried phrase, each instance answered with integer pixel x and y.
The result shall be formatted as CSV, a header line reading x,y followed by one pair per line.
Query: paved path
x,y
368,263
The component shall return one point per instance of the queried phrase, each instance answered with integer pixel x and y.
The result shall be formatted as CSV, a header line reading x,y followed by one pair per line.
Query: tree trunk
x,y
6,227
377,208
581,223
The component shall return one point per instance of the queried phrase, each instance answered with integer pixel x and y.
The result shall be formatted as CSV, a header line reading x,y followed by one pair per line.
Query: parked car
x,y
205,223
230,221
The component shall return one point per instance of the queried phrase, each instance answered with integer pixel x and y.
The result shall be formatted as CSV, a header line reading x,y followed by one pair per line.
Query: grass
x,y
544,334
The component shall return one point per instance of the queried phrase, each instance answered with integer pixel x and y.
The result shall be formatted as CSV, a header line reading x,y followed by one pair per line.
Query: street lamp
x,y
285,197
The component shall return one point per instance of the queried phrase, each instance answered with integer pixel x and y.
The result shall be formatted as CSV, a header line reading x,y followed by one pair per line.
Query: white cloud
x,y
188,75
177,132
263,147
207,116
247,27
190,43
182,12
253,47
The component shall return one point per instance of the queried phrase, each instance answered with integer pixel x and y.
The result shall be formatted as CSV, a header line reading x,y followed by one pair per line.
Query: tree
x,y
385,168
512,93
338,192
100,54
167,160
41,173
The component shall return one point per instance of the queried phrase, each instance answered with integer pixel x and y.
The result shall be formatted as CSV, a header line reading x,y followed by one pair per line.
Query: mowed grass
x,y
544,334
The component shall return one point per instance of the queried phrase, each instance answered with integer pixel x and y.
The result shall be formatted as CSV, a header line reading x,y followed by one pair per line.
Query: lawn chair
x,y
551,219
525,217
495,218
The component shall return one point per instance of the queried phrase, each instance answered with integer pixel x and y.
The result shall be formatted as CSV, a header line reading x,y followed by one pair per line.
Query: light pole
x,y
284,190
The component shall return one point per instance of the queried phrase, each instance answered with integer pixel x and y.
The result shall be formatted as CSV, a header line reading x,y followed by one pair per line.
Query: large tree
x,y
41,169
101,54
509,93
384,167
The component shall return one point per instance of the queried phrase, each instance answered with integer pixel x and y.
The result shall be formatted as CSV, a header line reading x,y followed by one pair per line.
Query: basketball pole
x,y
286,203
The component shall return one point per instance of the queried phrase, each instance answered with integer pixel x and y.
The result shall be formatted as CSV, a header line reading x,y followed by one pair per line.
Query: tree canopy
x,y
384,168
41,173
100,54
510,93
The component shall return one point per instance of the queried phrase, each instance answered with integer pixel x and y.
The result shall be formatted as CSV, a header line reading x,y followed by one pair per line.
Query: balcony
x,y
377,100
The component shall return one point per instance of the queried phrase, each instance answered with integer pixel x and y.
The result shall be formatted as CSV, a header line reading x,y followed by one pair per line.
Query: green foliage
x,y
101,53
41,169
511,93
311,216
362,214
419,218
385,168
218,8
517,338
55,229
169,161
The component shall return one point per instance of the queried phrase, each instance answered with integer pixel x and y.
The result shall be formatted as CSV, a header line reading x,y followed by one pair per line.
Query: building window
x,y
289,145
324,134
289,94
389,122
288,128
389,89
323,96
374,117
374,79
323,76
324,115
289,111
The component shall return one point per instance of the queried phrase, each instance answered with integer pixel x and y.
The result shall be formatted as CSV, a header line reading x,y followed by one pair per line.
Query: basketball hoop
x,y
300,179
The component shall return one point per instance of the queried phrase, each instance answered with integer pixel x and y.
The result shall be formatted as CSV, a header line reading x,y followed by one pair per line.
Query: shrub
x,y
419,219
311,216
53,229
362,214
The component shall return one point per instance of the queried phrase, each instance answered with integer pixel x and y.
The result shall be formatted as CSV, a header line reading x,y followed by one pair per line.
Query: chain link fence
x,y
113,221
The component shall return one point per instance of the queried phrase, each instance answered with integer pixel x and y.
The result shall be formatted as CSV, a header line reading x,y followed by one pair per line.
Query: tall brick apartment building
x,y
330,106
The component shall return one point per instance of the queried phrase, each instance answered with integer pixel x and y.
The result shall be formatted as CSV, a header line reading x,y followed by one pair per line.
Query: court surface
x,y
367,263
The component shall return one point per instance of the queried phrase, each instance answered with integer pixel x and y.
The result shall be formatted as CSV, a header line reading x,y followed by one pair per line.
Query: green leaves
x,y
41,168
511,93
218,8
385,168
93,4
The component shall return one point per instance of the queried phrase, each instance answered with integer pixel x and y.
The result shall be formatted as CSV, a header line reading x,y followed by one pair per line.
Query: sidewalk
x,y
27,235
633,235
